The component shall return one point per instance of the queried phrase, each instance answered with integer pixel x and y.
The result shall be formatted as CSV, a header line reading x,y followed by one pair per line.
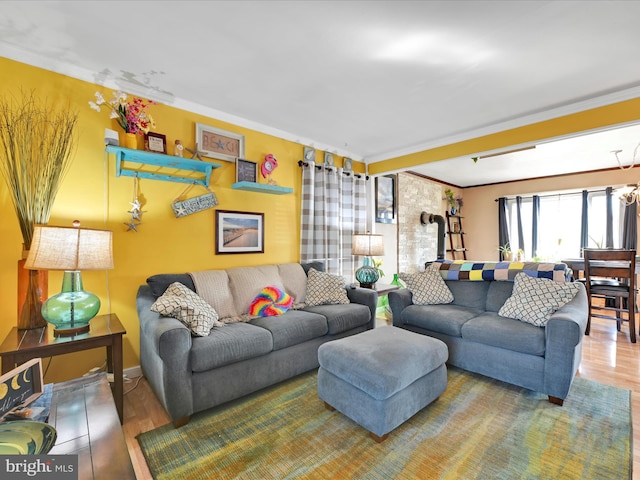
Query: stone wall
x,y
417,243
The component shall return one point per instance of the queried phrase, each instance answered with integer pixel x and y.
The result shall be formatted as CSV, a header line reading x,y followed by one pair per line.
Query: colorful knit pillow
x,y
270,301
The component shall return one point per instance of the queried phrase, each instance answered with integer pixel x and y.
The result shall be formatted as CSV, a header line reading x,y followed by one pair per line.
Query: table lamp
x,y
71,249
367,245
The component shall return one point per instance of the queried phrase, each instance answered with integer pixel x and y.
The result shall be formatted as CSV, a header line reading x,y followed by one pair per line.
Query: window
x,y
560,224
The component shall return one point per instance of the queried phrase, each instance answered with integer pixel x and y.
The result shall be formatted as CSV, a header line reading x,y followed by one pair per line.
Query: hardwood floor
x,y
607,357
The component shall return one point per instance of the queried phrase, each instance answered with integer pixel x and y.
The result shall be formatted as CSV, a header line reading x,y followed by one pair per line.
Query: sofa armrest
x,y
366,297
564,334
398,301
165,347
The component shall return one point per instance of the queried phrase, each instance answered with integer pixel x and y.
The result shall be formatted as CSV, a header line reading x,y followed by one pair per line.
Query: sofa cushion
x,y
491,329
535,299
341,318
292,328
447,319
325,288
497,295
469,294
294,279
246,283
213,286
233,343
185,305
271,301
159,283
428,287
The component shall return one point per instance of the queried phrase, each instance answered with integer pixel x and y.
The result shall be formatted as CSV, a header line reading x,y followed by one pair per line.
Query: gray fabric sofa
x,y
542,359
190,373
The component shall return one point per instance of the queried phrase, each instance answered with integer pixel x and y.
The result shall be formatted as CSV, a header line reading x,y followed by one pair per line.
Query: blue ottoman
x,y
382,377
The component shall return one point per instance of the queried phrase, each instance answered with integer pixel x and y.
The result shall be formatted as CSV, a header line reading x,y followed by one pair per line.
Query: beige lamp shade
x,y
70,248
368,245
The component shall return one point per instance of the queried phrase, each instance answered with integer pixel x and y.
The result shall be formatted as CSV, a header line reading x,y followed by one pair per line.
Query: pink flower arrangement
x,y
132,116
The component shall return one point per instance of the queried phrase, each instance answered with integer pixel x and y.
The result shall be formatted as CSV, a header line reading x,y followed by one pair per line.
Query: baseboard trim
x,y
133,372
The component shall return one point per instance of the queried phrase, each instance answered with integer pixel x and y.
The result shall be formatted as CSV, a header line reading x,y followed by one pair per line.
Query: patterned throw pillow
x,y
271,301
428,287
534,300
185,305
325,288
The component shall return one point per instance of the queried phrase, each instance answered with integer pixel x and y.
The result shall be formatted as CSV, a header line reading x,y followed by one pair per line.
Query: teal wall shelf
x,y
157,166
262,188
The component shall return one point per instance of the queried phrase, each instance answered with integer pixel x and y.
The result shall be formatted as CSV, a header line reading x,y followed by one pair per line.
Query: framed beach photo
x,y
239,232
216,143
386,199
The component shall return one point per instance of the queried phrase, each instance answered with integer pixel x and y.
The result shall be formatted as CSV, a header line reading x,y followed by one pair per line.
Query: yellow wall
x,y
163,243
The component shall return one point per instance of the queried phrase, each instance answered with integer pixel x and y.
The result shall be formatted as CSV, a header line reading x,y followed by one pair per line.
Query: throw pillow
x,y
185,305
271,301
325,288
428,287
534,300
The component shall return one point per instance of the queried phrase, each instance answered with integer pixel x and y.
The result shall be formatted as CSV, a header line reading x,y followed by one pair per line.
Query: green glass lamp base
x,y
367,276
71,310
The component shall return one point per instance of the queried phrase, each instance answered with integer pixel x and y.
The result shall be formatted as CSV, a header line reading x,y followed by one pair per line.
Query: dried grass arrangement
x,y
36,145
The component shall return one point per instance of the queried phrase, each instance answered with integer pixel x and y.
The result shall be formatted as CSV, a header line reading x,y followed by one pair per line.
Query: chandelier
x,y
630,194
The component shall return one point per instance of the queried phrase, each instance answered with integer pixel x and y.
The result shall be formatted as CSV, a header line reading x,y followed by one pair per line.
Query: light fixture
x,y
629,194
367,245
71,249
633,159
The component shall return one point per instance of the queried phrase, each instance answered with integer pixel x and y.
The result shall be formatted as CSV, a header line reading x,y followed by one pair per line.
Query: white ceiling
x,y
367,79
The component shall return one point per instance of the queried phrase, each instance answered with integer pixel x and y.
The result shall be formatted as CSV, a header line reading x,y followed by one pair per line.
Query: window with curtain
x,y
560,224
334,207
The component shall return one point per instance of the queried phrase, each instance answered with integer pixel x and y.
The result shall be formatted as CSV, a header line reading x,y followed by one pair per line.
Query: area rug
x,y
480,428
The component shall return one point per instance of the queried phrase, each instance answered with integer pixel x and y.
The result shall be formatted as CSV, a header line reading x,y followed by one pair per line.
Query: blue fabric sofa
x,y
191,373
542,359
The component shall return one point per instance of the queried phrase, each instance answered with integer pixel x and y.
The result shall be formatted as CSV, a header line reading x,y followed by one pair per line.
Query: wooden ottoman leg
x,y
377,438
329,407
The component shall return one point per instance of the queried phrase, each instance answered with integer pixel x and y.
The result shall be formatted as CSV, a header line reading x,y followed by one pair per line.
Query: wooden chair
x,y
610,275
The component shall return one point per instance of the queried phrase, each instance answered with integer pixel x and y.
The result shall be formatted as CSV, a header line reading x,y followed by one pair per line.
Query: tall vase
x,y
33,286
131,141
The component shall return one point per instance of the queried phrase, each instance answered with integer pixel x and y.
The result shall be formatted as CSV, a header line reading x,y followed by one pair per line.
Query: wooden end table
x,y
105,331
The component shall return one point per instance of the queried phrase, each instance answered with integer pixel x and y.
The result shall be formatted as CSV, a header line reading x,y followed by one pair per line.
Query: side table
x,y
105,331
85,418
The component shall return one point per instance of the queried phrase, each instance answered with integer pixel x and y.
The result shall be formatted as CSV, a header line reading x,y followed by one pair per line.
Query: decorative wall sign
x,y
328,159
386,199
155,142
216,143
309,154
182,206
20,386
239,232
246,171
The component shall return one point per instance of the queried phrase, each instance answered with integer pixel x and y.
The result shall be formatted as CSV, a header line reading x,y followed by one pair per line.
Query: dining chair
x,y
610,276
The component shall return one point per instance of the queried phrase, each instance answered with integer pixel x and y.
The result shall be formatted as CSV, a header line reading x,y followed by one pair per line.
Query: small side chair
x,y
610,275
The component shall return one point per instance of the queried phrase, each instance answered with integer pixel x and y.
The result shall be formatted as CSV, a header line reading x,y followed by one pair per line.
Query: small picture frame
x,y
347,164
22,385
328,159
155,142
239,232
386,199
246,171
217,143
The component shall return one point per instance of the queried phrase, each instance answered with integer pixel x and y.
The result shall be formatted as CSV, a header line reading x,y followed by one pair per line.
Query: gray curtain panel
x,y
334,207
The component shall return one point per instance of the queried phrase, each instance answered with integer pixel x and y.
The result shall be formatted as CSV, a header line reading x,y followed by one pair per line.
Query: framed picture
x,y
239,232
246,171
155,142
386,199
21,386
216,143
